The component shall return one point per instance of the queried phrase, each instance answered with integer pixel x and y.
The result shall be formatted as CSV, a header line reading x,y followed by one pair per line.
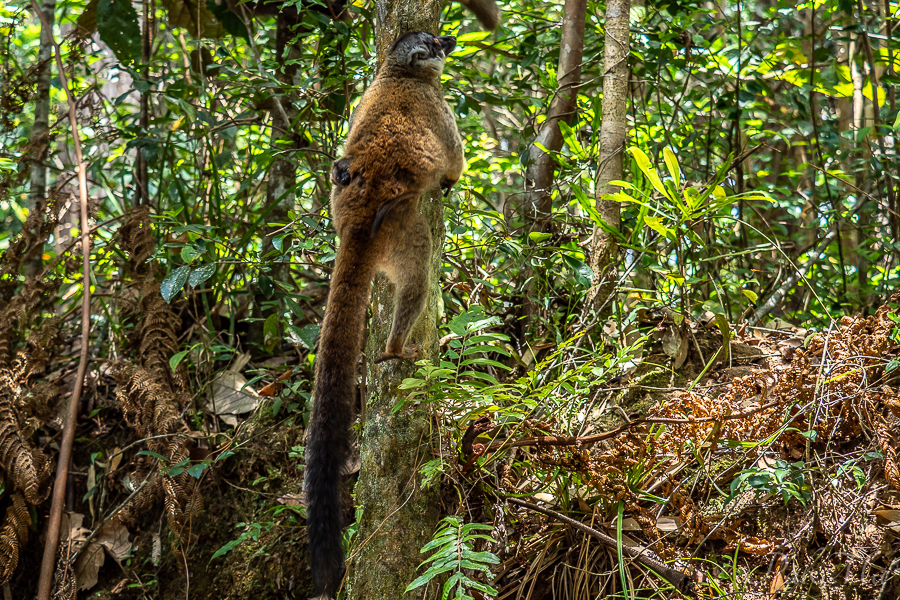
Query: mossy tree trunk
x,y
398,517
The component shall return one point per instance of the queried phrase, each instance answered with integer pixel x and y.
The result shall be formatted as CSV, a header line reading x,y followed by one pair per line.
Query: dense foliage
x,y
761,140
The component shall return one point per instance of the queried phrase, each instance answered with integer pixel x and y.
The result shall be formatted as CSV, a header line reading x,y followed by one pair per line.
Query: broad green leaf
x,y
294,307
270,328
196,471
475,36
622,184
117,24
266,286
189,253
583,273
176,360
173,283
485,348
201,274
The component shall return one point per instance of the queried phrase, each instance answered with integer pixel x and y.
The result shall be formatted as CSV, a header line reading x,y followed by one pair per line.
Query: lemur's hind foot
x,y
411,352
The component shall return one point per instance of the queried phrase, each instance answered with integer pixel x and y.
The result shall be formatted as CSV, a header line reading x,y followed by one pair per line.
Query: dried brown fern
x,y
136,238
150,394
13,536
27,467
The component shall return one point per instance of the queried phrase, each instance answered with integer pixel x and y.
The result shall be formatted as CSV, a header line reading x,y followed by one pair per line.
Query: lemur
x,y
402,142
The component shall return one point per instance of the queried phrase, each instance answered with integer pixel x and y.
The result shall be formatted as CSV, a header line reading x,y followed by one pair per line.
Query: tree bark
x,y
143,183
542,165
398,516
40,142
604,248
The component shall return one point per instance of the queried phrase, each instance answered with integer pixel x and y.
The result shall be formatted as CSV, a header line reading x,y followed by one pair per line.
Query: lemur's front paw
x,y
340,171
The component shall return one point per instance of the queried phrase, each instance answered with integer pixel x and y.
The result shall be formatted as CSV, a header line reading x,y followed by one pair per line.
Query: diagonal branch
x,y
68,437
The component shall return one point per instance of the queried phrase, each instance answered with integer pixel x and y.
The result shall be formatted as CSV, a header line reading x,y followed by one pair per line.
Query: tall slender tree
x,y
612,146
398,515
40,143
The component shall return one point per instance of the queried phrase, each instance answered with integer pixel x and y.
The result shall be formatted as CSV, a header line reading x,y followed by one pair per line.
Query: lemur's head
x,y
420,54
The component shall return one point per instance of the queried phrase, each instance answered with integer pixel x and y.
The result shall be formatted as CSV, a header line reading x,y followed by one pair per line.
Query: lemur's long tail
x,y
328,444
485,10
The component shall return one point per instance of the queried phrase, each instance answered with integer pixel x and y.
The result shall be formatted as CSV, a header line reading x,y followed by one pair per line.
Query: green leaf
x,y
644,165
537,237
583,273
232,23
475,36
485,348
173,283
196,471
176,360
295,308
458,324
201,274
226,548
189,253
153,454
656,224
270,329
266,286
484,362
117,24
572,141
672,165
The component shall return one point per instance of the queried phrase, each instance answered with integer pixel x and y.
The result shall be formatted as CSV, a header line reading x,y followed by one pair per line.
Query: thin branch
x,y
65,450
552,440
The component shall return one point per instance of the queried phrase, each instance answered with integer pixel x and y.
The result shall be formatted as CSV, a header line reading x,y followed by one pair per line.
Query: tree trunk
x,y
542,165
398,517
40,143
541,168
612,146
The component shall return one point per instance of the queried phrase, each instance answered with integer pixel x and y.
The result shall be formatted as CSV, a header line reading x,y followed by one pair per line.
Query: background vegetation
x,y
760,189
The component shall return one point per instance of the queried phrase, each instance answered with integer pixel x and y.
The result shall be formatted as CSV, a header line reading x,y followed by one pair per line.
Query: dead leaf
x,y
113,536
87,566
71,524
116,459
668,523
889,517
777,583
231,396
112,539
293,499
156,550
